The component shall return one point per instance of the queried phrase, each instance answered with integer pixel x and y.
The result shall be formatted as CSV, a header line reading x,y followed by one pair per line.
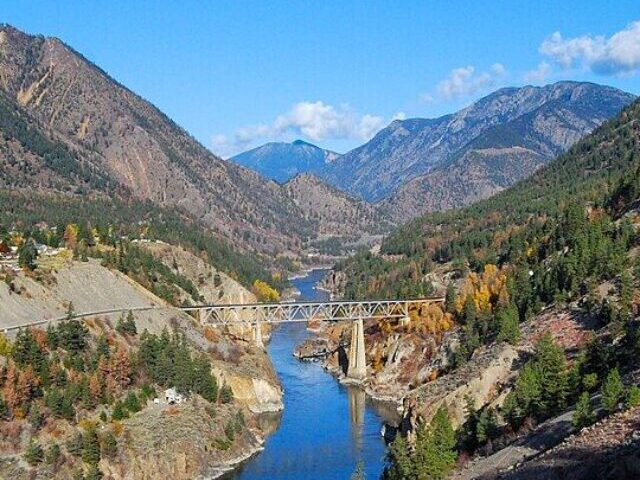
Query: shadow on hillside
x,y
579,463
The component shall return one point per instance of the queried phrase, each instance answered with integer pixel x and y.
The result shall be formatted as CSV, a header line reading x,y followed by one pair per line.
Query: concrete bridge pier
x,y
357,369
257,334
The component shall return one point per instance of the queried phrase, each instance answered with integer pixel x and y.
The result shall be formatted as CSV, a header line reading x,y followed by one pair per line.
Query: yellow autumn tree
x,y
486,290
431,319
265,292
71,236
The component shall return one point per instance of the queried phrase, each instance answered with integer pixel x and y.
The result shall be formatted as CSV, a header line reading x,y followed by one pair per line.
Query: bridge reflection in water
x,y
357,403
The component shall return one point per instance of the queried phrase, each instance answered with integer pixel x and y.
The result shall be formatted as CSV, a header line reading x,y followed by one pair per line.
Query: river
x,y
326,428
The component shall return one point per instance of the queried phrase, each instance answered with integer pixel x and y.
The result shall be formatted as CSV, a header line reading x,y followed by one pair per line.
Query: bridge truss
x,y
306,311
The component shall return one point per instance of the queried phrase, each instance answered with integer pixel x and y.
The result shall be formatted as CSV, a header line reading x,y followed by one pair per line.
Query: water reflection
x,y
357,402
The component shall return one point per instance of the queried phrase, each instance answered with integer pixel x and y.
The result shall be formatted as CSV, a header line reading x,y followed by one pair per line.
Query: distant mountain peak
x,y
302,142
282,161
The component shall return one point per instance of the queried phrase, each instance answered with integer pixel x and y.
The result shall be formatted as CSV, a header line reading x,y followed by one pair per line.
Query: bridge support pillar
x,y
357,369
257,335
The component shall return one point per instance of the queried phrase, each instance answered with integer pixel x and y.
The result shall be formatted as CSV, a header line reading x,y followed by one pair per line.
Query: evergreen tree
x,y
36,417
612,391
434,455
633,397
359,474
399,465
450,298
551,366
132,403
27,255
583,416
119,411
109,445
508,325
52,455
91,447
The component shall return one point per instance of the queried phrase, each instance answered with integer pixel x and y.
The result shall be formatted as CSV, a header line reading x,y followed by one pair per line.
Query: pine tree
x,y
91,447
508,325
52,455
552,372
398,461
450,298
583,416
434,455
359,474
612,391
109,445
633,397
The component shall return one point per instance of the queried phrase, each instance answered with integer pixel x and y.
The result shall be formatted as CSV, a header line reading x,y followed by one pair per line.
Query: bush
x,y
34,454
226,394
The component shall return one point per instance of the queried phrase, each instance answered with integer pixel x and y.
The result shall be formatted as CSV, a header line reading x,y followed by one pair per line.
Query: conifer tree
x,y
612,391
583,416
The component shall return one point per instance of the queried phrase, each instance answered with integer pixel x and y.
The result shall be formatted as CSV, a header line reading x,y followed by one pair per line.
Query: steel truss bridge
x,y
286,312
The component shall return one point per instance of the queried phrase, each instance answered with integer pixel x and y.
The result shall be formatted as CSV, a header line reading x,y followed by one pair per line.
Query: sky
x,y
237,74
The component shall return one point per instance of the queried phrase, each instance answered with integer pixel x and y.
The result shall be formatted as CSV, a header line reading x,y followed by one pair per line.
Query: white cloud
x,y
316,121
465,81
540,74
399,116
616,55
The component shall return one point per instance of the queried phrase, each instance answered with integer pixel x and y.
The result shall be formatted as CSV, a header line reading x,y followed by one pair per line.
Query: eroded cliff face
x,y
415,369
183,442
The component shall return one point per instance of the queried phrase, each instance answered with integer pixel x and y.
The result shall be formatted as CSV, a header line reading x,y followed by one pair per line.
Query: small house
x,y
172,397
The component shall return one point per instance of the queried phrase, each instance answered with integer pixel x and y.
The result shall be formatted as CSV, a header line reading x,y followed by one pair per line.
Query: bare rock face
x,y
336,212
482,379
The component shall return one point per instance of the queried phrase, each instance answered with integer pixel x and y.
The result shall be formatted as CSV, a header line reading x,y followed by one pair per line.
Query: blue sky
x,y
236,74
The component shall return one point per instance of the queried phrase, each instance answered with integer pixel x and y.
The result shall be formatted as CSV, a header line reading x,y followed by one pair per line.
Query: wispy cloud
x,y
540,74
618,54
465,81
316,121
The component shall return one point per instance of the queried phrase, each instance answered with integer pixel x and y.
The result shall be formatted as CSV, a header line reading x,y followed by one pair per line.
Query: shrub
x,y
34,454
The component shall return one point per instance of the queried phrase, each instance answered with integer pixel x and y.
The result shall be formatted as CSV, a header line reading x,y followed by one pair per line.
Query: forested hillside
x,y
117,219
595,177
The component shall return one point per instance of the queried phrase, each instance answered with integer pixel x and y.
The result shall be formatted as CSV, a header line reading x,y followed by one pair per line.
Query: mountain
x,y
336,212
282,161
455,159
67,127
599,171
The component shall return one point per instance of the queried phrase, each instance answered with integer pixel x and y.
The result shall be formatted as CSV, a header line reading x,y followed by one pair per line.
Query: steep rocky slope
x,y
98,135
512,131
336,212
282,161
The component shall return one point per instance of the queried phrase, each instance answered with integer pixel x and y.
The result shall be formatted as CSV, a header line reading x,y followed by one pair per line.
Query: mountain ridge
x,y
408,149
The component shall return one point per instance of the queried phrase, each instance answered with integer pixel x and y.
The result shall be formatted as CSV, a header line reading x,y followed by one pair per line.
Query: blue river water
x,y
326,429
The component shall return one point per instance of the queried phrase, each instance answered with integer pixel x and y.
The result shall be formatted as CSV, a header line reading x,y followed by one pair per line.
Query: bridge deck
x,y
275,312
